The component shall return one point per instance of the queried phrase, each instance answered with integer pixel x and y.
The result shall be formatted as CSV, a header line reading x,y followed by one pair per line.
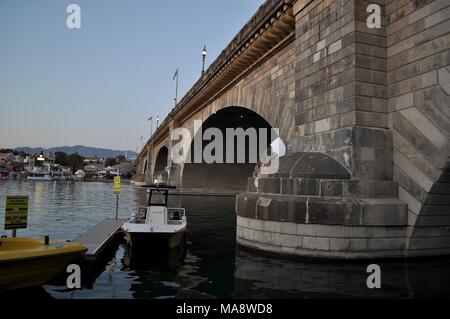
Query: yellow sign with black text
x,y
16,212
116,184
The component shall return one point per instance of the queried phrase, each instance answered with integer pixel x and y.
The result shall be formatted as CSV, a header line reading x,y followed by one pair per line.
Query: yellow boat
x,y
27,262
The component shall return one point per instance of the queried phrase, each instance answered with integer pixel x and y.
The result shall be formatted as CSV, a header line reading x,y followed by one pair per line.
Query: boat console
x,y
157,218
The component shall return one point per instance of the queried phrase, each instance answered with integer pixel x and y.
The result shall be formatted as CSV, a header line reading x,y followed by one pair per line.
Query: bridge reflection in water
x,y
265,277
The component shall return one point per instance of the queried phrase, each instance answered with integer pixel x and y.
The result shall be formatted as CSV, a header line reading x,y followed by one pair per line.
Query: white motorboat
x,y
156,225
40,177
49,172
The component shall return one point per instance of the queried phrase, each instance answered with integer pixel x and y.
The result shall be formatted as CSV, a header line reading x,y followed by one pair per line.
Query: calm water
x,y
210,266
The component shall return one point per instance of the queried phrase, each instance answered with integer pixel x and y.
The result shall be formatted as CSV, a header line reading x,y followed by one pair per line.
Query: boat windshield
x,y
158,197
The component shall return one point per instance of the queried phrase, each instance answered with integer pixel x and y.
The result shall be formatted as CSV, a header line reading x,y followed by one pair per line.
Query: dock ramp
x,y
98,237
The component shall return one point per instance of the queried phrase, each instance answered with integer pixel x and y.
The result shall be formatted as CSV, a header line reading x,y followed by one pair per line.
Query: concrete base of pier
x,y
315,226
312,208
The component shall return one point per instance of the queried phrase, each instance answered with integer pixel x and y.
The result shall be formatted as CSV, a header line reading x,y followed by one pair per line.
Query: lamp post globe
x,y
204,52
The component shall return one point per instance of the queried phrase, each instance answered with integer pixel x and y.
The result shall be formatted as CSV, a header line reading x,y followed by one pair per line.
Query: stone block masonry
x,y
418,59
341,83
378,102
364,113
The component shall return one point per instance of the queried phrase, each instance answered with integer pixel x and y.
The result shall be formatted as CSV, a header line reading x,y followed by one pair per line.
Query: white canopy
x,y
80,173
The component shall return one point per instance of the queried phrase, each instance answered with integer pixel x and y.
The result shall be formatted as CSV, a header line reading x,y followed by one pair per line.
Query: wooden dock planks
x,y
98,237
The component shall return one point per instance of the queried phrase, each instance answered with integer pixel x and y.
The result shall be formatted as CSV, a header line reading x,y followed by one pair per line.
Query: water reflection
x,y
137,259
266,277
161,274
65,209
210,265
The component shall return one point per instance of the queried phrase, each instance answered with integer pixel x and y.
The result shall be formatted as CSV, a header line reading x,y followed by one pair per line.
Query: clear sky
x,y
97,85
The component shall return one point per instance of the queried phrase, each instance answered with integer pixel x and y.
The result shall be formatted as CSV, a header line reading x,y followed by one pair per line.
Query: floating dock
x,y
98,237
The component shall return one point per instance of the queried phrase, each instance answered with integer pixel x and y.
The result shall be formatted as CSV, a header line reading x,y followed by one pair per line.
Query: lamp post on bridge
x,y
204,52
151,144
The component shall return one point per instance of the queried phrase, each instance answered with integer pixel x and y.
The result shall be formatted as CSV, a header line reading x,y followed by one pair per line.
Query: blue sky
x,y
97,85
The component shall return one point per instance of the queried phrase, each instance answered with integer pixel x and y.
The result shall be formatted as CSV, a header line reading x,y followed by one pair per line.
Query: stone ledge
x,y
322,210
323,187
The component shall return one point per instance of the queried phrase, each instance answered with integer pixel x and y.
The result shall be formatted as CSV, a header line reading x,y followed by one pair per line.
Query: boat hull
x,y
30,273
28,262
40,179
156,241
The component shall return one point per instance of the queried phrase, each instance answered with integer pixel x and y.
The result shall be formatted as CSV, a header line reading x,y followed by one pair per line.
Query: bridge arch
x,y
433,216
161,162
226,175
144,169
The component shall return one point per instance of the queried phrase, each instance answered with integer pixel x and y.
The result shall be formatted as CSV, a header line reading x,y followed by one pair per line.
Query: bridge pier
x,y
347,90
364,113
313,207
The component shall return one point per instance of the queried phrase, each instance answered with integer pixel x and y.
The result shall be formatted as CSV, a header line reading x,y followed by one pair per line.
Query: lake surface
x,y
210,266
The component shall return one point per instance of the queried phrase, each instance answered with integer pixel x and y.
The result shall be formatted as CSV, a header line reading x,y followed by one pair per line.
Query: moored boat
x,y
28,262
156,225
46,177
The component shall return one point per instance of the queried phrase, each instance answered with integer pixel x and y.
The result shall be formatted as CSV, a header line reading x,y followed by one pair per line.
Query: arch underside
x,y
431,229
226,176
161,162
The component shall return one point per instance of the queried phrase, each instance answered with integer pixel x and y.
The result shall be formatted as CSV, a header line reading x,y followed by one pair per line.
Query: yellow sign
x,y
116,184
16,212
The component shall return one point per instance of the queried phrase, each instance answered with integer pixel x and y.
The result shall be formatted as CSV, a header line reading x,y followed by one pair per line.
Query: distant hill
x,y
84,151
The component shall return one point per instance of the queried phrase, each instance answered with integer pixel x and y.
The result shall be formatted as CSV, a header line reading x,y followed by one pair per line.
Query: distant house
x,y
41,159
125,168
108,173
4,172
51,158
67,170
90,172
7,158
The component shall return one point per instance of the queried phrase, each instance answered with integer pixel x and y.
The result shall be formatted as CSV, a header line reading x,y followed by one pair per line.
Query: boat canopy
x,y
159,194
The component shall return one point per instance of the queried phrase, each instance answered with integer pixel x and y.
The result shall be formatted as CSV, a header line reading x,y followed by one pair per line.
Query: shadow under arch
x,y
434,213
144,171
227,176
161,163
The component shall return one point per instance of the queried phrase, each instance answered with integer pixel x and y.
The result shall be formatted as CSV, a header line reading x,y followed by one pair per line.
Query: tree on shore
x,y
110,162
61,158
120,159
74,161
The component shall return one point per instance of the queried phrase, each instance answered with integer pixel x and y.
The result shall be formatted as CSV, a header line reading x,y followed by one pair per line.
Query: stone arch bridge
x,y
365,116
